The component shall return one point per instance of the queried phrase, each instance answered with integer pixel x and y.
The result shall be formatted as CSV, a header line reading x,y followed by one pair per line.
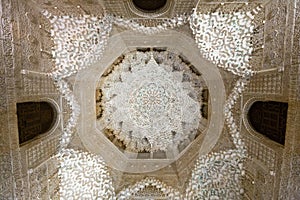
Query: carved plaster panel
x,y
151,102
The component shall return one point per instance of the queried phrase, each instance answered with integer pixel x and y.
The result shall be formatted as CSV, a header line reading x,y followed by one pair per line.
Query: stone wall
x,y
24,62
272,171
29,172
290,179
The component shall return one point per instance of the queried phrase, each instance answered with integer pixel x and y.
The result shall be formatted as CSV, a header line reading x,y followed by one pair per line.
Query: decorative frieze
x,y
260,152
34,83
44,150
266,83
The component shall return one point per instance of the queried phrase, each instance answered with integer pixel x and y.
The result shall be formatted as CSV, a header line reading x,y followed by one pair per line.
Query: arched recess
x,y
150,8
267,118
36,119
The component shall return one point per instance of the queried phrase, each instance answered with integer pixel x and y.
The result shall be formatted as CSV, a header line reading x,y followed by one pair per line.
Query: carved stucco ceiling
x,y
93,135
123,13
151,101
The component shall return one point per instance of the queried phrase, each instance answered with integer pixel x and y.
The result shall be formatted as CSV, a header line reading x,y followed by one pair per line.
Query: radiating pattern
x,y
223,38
147,105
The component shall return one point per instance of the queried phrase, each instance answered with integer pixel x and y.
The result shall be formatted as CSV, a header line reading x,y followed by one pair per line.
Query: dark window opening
x,y
204,111
149,5
34,118
269,119
205,95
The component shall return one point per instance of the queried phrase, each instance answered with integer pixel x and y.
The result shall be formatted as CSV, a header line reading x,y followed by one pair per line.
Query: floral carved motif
x,y
148,106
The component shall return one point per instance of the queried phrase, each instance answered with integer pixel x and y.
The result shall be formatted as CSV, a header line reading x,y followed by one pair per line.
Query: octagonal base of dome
x,y
103,138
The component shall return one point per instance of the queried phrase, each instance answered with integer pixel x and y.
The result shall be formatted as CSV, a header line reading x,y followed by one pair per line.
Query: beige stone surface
x,y
29,172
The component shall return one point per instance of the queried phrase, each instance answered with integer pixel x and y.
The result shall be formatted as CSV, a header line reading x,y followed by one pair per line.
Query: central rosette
x,y
151,102
148,106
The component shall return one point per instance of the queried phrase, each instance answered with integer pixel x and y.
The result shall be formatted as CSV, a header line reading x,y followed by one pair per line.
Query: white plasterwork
x,y
147,105
225,39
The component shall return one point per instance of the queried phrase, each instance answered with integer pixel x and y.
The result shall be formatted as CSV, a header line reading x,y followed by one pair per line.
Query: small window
x,y
149,5
204,111
34,119
269,119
